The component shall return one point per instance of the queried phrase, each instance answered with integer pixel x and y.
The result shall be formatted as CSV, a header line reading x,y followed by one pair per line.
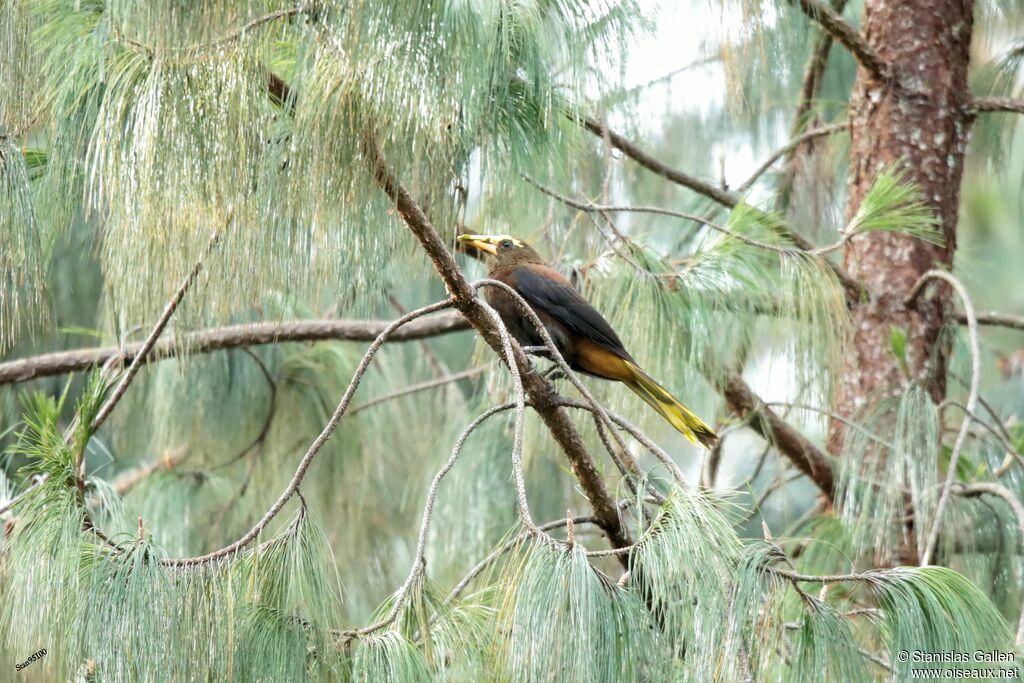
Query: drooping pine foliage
x,y
132,132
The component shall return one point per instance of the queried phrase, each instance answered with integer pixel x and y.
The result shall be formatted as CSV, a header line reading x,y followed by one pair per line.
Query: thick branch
x,y
847,35
807,457
229,337
539,391
723,197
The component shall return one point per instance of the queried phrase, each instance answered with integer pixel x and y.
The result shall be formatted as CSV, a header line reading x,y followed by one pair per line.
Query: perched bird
x,y
583,337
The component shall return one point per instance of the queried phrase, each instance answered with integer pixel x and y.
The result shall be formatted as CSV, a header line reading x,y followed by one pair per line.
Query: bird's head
x,y
507,250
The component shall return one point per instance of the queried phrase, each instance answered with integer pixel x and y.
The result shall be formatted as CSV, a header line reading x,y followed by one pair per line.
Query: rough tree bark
x,y
919,115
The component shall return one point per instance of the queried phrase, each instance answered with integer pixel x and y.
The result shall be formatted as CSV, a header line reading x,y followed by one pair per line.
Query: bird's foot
x,y
553,374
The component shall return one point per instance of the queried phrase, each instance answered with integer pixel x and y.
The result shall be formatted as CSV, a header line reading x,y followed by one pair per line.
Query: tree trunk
x,y
919,116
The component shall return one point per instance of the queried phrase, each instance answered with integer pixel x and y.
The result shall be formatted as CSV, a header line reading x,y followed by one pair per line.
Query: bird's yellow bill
x,y
481,242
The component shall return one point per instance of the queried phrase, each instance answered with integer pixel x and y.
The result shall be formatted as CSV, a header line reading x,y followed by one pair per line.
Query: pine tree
x,y
259,424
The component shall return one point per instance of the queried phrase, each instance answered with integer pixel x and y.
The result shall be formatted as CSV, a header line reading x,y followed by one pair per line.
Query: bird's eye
x,y
506,244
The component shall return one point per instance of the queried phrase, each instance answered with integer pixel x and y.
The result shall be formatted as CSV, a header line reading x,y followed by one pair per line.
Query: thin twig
x,y
701,220
702,61
438,365
422,386
314,448
196,48
992,489
517,434
154,334
834,416
126,482
869,577
995,319
508,545
633,431
631,150
1011,452
769,490
813,76
855,290
420,562
271,410
972,400
789,147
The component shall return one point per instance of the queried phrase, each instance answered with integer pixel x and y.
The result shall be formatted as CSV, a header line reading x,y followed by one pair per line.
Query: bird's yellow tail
x,y
678,415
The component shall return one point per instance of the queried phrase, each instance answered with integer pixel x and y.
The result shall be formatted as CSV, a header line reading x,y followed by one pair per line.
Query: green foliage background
x,y
130,131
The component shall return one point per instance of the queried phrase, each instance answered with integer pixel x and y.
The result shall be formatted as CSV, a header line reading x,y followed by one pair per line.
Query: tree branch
x,y
723,197
154,334
314,448
807,457
855,291
847,35
998,104
540,392
229,337
129,480
813,74
994,319
789,147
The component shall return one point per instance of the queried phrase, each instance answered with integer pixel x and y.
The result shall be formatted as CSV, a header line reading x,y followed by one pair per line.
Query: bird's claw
x,y
553,374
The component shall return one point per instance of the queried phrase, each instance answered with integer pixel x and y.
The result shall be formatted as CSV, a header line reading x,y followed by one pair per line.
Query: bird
x,y
585,339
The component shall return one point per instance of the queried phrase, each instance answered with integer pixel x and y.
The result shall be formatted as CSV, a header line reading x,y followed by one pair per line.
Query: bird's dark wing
x,y
547,290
